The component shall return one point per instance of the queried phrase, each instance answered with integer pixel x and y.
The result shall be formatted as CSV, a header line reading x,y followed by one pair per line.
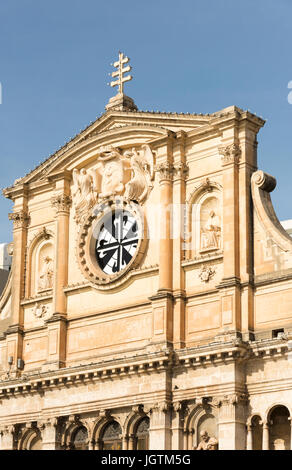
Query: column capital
x,y
165,171
180,171
7,429
230,154
20,219
46,423
61,202
233,399
161,407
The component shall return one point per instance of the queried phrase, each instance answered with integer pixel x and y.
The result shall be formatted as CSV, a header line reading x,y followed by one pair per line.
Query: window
x,y
111,439
142,435
80,439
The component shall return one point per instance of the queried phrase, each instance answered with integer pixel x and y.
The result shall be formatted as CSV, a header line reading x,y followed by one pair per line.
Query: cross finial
x,y
121,70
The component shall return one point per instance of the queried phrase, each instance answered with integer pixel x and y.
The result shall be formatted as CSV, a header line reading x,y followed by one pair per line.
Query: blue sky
x,y
189,56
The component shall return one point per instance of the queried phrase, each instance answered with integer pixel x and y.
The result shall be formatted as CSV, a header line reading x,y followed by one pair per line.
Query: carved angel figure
x,y
142,173
84,191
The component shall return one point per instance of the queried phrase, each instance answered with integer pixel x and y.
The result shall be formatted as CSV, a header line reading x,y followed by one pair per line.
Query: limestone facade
x,y
189,330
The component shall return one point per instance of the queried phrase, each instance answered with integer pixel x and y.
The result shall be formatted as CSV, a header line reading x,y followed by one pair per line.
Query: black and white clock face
x,y
117,241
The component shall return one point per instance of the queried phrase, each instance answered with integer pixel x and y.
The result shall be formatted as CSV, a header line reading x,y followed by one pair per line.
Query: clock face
x,y
117,241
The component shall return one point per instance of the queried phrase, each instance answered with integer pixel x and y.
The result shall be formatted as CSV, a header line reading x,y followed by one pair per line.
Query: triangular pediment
x,y
116,128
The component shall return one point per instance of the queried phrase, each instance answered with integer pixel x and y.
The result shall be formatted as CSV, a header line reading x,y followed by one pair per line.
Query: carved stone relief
x,y
210,225
45,268
46,274
127,174
40,311
206,273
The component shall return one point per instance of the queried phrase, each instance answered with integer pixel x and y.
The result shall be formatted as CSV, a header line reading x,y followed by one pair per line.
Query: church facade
x,y
150,296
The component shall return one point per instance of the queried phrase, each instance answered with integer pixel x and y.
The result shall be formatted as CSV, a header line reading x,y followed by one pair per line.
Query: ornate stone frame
x,y
86,242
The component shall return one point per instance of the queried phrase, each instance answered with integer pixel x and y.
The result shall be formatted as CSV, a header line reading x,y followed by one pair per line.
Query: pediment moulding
x,y
187,121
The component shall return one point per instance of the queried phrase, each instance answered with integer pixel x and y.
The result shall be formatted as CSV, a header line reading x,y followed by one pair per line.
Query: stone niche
x,y
41,269
205,219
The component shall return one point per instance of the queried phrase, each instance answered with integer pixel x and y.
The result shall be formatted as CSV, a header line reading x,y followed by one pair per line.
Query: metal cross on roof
x,y
121,70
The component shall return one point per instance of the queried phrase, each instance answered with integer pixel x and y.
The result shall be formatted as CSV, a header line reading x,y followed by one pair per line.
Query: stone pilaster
x,y
249,437
230,293
61,201
160,427
50,438
180,173
266,435
165,171
7,438
232,422
20,218
179,409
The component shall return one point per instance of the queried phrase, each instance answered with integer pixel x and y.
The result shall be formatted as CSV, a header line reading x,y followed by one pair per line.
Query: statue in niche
x,y
211,232
139,185
46,274
207,442
84,191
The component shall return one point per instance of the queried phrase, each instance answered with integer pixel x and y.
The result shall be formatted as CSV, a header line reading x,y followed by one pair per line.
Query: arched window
x,y
80,439
142,434
280,429
257,433
111,438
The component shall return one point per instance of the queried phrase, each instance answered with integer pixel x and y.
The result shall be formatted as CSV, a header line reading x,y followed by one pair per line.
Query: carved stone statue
x,y
46,274
207,442
84,191
116,174
211,232
138,187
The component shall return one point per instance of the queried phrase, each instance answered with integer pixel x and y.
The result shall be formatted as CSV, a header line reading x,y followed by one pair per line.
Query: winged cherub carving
x,y
142,169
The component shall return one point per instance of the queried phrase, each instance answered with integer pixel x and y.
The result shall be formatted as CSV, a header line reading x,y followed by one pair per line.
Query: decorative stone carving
x,y
206,273
140,184
211,232
180,171
114,170
47,423
230,154
40,311
84,192
207,442
20,219
129,175
61,202
165,171
46,274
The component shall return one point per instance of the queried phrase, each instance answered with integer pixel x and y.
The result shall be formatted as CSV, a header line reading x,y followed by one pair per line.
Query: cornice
x,y
105,370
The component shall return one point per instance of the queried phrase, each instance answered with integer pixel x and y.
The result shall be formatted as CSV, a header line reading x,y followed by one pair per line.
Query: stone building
x,y
150,296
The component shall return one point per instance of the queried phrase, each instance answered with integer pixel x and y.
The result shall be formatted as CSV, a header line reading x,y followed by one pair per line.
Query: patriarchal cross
x,y
121,70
